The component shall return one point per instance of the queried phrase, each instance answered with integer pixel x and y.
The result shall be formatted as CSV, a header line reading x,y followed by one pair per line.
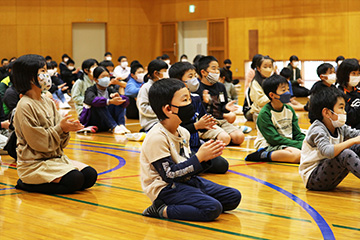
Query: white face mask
x,y
354,80
104,82
71,68
295,64
51,72
140,77
184,60
44,81
193,84
213,78
331,78
167,61
124,64
108,58
165,75
66,59
339,62
266,72
340,121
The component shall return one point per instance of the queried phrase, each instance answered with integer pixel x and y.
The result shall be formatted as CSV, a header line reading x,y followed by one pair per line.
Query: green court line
x,y
10,185
174,221
273,215
345,227
127,189
5,166
284,164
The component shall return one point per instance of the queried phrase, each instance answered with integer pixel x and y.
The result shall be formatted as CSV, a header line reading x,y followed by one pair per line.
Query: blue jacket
x,y
132,88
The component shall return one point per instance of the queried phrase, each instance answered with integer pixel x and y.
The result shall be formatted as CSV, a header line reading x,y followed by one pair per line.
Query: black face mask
x,y
185,113
228,67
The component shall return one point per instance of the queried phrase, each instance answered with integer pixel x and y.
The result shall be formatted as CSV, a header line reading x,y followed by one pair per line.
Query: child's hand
x,y
206,96
117,101
114,95
209,150
230,106
68,124
206,122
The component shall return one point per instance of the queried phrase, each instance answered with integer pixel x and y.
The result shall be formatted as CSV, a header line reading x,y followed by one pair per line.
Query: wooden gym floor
x,y
275,203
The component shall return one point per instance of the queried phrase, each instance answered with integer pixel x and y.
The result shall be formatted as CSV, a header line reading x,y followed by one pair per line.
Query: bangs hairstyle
x,y
51,65
106,63
25,71
98,71
161,94
322,69
344,70
339,58
178,69
135,67
254,60
272,83
204,63
325,98
262,59
155,65
120,58
87,64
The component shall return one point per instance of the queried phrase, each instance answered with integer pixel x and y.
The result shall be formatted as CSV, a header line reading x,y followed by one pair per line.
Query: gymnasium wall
x,y
45,26
310,29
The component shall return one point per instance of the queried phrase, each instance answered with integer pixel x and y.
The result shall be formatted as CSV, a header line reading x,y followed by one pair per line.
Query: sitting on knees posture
x,y
168,172
279,136
42,135
331,148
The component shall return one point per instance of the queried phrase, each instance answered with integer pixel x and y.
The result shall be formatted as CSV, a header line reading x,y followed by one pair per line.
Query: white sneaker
x,y
64,105
124,128
118,130
136,136
245,129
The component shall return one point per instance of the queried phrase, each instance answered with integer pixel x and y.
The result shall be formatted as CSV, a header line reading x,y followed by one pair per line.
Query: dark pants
x,y
198,199
300,91
132,112
330,172
106,118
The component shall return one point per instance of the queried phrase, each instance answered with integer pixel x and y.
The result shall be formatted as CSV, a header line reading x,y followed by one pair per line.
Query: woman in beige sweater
x,y
42,135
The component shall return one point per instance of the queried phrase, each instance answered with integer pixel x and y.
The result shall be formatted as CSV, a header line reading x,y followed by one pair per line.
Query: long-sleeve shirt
x,y
319,145
132,88
147,116
257,94
278,128
78,92
352,107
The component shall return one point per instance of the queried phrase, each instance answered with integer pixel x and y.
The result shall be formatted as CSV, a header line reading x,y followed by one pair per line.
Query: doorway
x,y
88,41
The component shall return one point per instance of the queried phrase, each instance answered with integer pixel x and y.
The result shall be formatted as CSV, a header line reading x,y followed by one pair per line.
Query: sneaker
x,y
155,210
256,156
124,128
245,129
118,130
88,129
136,136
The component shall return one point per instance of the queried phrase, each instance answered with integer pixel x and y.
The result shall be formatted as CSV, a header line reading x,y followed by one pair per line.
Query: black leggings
x,y
72,181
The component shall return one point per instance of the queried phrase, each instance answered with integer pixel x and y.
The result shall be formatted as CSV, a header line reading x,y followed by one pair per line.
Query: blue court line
x,y
320,221
119,149
122,161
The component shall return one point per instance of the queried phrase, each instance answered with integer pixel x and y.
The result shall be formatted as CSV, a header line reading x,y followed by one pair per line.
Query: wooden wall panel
x,y
28,39
97,10
52,12
52,41
8,12
9,43
119,42
28,12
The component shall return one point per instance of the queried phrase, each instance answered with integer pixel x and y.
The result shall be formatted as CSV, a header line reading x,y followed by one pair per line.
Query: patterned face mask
x,y
44,81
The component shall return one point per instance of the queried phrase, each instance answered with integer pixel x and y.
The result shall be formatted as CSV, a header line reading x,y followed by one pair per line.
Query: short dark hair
x,y
286,73
106,63
254,60
204,63
70,61
272,83
121,57
184,56
227,61
88,63
293,58
224,74
48,58
98,71
3,60
325,98
135,67
344,70
107,53
178,69
155,65
134,62
339,58
161,94
25,71
165,56
64,56
322,68
51,65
